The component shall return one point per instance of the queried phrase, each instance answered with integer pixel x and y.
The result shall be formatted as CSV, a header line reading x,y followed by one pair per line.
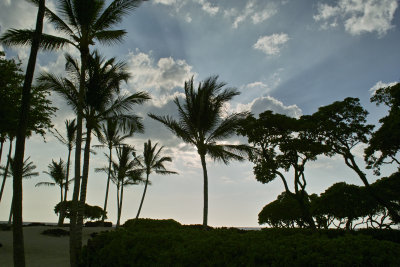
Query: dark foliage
x,y
90,212
56,232
98,224
174,245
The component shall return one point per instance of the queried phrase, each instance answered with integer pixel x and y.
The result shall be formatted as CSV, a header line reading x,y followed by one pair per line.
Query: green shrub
x,y
165,243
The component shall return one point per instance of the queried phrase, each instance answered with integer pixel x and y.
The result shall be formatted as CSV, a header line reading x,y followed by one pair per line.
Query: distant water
x,y
54,224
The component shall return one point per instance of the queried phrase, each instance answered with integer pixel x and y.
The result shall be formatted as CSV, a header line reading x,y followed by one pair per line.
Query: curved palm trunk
x,y
62,211
205,208
108,186
75,242
85,175
18,236
6,169
144,193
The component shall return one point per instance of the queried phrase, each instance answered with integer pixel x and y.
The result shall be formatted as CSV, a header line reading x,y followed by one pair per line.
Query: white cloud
x,y
379,85
208,8
253,11
271,44
162,75
358,16
264,103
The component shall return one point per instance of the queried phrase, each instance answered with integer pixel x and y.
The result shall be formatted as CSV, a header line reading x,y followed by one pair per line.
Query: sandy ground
x,y
42,250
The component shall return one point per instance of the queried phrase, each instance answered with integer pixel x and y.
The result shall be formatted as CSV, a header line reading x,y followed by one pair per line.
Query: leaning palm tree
x,y
152,161
83,22
201,123
68,140
127,171
27,172
111,135
5,169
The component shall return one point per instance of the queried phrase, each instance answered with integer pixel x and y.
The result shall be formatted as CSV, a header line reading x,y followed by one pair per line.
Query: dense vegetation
x,y
167,243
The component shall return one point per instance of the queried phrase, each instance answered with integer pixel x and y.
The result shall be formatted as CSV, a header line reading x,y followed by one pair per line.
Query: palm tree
x,y
5,169
102,101
127,171
84,22
110,137
27,172
69,140
58,173
34,38
152,161
202,125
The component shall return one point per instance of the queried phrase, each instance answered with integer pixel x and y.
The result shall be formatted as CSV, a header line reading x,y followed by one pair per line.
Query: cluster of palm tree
x,y
92,89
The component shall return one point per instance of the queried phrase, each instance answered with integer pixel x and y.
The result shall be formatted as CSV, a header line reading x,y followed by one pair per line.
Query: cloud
x,y
271,44
252,11
380,85
264,103
208,8
162,75
358,16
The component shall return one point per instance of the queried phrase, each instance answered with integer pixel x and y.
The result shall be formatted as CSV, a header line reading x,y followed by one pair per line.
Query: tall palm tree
x,y
27,172
58,173
127,171
152,161
111,136
102,101
34,38
201,124
69,140
84,22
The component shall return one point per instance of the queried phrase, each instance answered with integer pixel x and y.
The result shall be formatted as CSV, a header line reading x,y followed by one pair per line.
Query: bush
x,y
98,224
166,243
151,224
55,232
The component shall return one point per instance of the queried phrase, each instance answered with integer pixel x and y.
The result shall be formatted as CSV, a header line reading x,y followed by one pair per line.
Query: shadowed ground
x,y
42,250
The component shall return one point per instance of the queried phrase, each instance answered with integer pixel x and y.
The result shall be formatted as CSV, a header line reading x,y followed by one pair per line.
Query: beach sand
x,y
42,250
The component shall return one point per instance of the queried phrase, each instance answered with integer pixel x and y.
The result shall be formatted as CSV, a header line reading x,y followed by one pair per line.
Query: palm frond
x,y
15,37
227,127
174,127
114,12
110,37
226,153
45,184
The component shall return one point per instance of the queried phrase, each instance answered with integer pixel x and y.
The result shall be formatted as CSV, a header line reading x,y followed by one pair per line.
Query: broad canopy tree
x,y
282,143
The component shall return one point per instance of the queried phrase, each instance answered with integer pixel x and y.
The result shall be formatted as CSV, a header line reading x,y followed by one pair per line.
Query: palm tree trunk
x,y
205,192
144,193
108,186
118,208
75,242
120,202
62,210
1,148
6,169
18,236
85,175
11,212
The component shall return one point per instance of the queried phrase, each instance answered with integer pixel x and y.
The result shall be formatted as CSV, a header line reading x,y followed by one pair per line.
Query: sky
x,y
288,56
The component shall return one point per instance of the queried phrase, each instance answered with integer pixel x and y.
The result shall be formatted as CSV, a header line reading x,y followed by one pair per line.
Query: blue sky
x,y
285,55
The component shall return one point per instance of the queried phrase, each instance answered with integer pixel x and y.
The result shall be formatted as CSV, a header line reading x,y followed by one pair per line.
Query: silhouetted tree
x,y
68,140
342,126
152,161
282,143
111,135
201,123
386,139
